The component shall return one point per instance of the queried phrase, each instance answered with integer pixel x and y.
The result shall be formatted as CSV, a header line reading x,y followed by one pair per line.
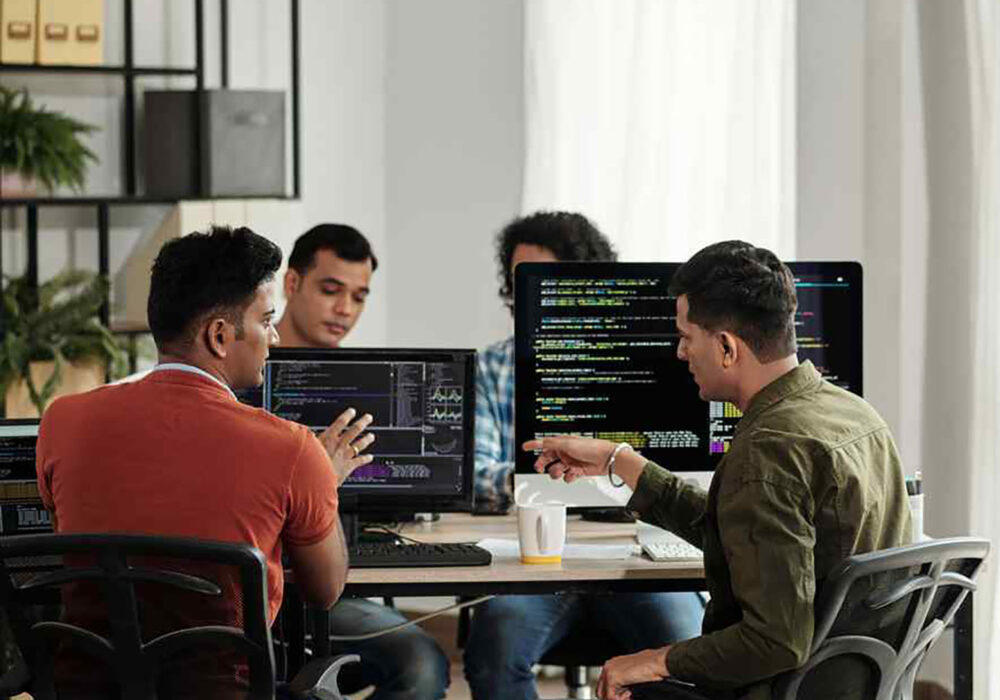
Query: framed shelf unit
x,y
128,72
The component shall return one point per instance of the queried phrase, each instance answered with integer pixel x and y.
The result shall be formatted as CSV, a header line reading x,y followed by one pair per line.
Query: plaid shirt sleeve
x,y
494,421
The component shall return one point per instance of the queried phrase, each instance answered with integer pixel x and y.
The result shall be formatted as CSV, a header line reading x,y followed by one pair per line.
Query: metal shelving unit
x,y
128,72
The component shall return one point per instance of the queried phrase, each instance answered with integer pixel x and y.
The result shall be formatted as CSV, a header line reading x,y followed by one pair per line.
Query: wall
x,y
455,148
861,188
884,166
343,127
344,136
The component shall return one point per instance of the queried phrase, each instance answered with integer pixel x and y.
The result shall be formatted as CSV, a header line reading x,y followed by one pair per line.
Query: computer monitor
x,y
596,355
21,509
423,404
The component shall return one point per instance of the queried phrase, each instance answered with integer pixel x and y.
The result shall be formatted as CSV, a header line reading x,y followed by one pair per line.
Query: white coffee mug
x,y
541,531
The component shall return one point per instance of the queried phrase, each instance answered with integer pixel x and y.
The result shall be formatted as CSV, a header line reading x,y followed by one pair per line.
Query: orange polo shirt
x,y
176,454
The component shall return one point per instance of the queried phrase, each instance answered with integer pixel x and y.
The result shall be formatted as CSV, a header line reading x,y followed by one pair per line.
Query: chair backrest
x,y
881,612
112,565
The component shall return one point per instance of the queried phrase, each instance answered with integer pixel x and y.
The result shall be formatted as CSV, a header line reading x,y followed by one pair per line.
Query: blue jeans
x,y
509,634
403,665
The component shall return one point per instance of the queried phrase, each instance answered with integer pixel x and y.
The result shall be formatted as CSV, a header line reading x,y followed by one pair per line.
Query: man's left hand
x,y
645,666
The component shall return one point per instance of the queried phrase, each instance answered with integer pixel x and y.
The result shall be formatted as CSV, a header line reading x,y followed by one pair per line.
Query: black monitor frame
x,y
9,510
371,506
19,421
526,273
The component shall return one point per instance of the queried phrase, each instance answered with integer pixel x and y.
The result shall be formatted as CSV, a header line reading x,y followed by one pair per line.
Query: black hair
x,y
344,241
570,236
743,289
202,273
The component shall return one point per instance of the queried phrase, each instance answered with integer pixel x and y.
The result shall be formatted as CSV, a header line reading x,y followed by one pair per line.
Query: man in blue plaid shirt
x,y
509,634
495,426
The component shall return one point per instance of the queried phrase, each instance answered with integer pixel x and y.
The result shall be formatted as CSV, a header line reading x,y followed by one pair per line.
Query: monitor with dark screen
x,y
21,509
596,355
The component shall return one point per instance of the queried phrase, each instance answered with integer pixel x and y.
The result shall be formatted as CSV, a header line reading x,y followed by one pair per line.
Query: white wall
x,y
884,176
454,165
344,136
861,185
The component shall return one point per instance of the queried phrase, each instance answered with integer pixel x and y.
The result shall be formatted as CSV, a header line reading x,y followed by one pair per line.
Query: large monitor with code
x,y
423,405
596,355
21,509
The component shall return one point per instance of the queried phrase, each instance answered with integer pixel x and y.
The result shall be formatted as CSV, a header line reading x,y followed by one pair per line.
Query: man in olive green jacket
x,y
812,477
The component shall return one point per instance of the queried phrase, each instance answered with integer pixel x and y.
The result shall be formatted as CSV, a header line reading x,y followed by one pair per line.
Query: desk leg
x,y
963,650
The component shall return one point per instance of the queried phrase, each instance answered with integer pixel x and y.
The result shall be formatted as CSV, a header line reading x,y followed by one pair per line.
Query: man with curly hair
x,y
509,634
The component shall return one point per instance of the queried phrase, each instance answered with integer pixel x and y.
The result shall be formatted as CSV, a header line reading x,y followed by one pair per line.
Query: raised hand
x,y
345,443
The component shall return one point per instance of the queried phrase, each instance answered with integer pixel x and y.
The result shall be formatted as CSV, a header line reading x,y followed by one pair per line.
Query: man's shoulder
x,y
499,352
82,403
496,361
825,413
793,439
140,401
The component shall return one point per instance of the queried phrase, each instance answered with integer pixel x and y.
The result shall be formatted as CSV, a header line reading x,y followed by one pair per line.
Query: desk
x,y
503,576
510,576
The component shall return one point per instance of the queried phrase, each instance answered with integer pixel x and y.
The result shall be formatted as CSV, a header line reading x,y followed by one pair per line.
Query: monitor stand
x,y
607,515
355,532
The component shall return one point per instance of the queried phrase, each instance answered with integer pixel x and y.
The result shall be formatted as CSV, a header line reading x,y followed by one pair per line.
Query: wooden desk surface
x,y
461,527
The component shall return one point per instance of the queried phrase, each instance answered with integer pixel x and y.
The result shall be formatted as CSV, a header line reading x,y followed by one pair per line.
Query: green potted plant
x,y
53,342
38,146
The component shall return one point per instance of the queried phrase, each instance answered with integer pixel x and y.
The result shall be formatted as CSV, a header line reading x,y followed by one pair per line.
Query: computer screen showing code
x,y
422,410
596,354
21,509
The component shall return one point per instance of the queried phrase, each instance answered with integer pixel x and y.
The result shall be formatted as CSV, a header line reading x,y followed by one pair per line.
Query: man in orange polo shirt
x,y
176,454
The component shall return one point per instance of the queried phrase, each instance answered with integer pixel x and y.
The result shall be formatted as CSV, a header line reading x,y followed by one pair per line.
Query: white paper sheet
x,y
509,549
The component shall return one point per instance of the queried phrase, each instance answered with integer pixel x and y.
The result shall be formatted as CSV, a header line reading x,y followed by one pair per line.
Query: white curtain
x,y
671,123
983,24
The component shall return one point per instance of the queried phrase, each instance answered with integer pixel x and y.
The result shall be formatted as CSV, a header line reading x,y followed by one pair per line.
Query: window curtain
x,y
671,123
983,32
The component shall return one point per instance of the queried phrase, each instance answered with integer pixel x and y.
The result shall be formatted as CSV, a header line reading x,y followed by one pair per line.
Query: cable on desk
x,y
409,623
395,533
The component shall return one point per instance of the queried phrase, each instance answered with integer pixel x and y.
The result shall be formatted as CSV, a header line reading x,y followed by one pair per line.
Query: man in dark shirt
x,y
812,477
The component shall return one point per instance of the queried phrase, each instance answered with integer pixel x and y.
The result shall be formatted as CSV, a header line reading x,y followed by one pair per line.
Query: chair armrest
x,y
318,678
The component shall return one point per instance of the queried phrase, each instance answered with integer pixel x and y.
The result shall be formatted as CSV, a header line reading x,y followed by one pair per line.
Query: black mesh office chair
x,y
876,617
130,577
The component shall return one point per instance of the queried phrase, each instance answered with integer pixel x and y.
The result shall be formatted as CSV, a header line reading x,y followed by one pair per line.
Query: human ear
x,y
291,283
730,349
217,337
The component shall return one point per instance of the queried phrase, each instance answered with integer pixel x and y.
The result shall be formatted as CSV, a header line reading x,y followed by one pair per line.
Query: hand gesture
x,y
570,457
345,443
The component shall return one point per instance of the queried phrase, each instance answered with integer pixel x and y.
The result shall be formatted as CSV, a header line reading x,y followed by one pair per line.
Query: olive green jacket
x,y
812,477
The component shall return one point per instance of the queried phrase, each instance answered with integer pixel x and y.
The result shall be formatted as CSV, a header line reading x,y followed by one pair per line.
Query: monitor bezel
x,y
392,506
14,422
528,271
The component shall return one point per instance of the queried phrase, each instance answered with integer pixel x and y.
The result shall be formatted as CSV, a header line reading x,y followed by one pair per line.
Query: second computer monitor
x,y
423,404
596,355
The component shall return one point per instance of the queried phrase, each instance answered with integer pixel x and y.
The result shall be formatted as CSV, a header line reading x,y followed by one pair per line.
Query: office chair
x,y
113,566
583,647
876,618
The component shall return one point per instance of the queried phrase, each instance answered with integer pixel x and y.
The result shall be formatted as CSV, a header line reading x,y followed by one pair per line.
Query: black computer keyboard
x,y
370,555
